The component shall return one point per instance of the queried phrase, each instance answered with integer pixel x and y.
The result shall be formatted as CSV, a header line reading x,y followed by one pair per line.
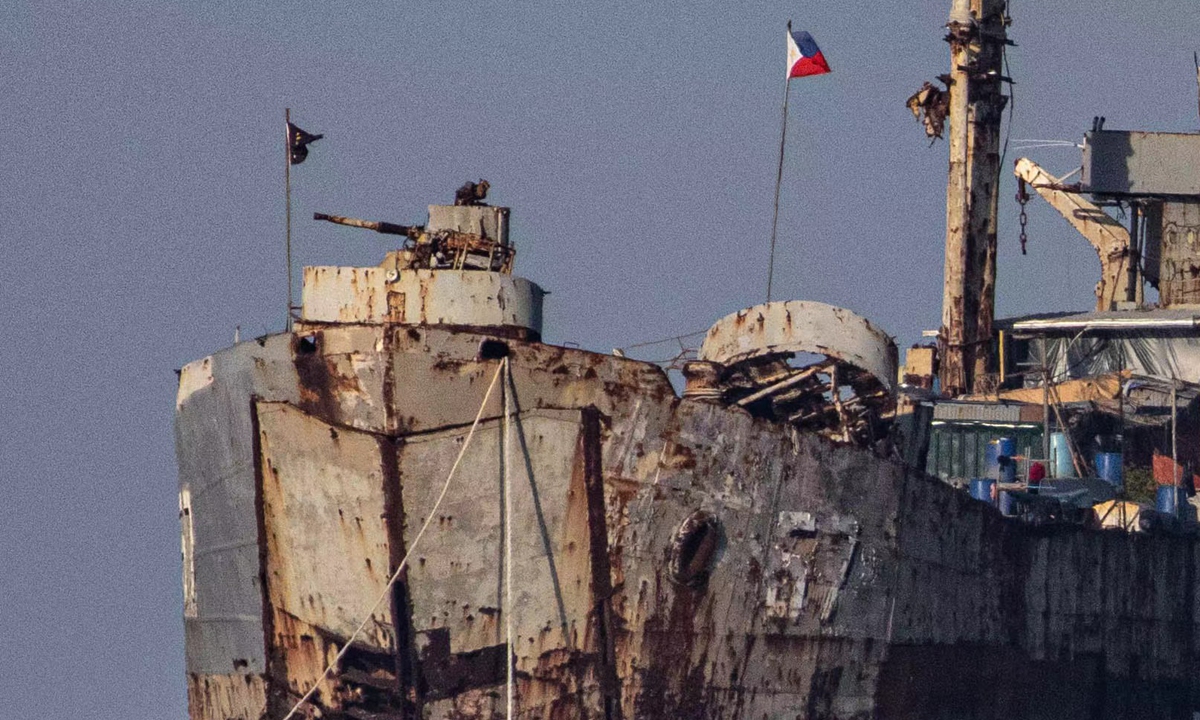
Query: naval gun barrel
x,y
386,228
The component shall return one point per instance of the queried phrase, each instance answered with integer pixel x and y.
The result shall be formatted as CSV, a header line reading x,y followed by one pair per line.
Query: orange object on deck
x,y
1161,468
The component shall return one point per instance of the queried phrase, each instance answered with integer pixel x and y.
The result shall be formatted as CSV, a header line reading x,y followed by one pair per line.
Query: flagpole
x,y
778,182
804,58
287,184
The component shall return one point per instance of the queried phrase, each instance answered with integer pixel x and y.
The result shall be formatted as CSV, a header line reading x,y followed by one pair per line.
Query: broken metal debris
x,y
930,105
818,367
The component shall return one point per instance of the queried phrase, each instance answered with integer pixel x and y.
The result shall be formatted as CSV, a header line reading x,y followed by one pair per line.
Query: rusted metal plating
x,y
817,366
837,581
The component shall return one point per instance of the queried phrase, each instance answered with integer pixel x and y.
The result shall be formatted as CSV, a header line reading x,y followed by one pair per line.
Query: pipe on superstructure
x,y
1189,323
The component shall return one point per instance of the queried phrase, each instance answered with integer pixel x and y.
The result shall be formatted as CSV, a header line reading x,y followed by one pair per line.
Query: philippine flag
x,y
804,57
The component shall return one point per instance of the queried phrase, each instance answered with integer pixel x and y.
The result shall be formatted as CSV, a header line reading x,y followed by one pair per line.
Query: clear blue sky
x,y
141,217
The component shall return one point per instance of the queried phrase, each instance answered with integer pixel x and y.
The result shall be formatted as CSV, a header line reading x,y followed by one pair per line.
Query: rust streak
x,y
408,683
601,571
276,663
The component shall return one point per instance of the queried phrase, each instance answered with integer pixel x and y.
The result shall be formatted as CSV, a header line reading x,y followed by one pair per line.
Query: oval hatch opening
x,y
695,549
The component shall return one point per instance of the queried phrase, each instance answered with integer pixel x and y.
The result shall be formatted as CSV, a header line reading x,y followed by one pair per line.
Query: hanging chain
x,y
1023,199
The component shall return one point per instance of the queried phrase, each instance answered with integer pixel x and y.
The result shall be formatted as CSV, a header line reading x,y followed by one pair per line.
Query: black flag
x,y
298,141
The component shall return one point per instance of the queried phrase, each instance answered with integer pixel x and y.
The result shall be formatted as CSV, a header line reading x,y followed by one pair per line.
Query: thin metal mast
x,y
778,181
287,184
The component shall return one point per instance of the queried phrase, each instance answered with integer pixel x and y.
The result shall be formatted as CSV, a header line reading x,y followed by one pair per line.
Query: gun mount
x,y
457,237
453,271
386,228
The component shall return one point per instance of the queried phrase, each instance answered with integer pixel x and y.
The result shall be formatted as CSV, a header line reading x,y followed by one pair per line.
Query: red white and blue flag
x,y
804,57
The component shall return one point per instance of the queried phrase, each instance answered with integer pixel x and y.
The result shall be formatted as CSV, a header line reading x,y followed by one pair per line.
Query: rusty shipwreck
x,y
755,547
408,505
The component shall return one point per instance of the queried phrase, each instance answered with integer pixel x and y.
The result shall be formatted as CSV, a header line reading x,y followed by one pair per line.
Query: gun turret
x,y
442,244
386,228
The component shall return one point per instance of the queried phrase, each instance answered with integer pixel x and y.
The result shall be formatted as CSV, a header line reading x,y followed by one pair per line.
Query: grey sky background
x,y
141,220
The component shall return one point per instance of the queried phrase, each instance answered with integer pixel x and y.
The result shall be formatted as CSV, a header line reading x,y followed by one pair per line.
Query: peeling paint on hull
x,y
825,581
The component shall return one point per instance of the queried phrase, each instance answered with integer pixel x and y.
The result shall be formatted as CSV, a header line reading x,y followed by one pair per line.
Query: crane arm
x,y
1109,238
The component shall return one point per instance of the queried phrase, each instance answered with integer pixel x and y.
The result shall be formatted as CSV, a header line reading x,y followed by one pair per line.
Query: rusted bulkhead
x,y
672,558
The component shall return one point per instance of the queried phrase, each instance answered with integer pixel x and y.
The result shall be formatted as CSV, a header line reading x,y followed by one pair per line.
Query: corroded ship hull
x,y
671,557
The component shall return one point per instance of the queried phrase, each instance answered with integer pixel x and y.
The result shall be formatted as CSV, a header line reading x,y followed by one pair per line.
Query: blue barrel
x,y
981,489
1060,456
1108,468
1169,499
1008,504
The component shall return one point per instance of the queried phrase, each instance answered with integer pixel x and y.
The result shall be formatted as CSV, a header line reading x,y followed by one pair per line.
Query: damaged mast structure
x,y
977,37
